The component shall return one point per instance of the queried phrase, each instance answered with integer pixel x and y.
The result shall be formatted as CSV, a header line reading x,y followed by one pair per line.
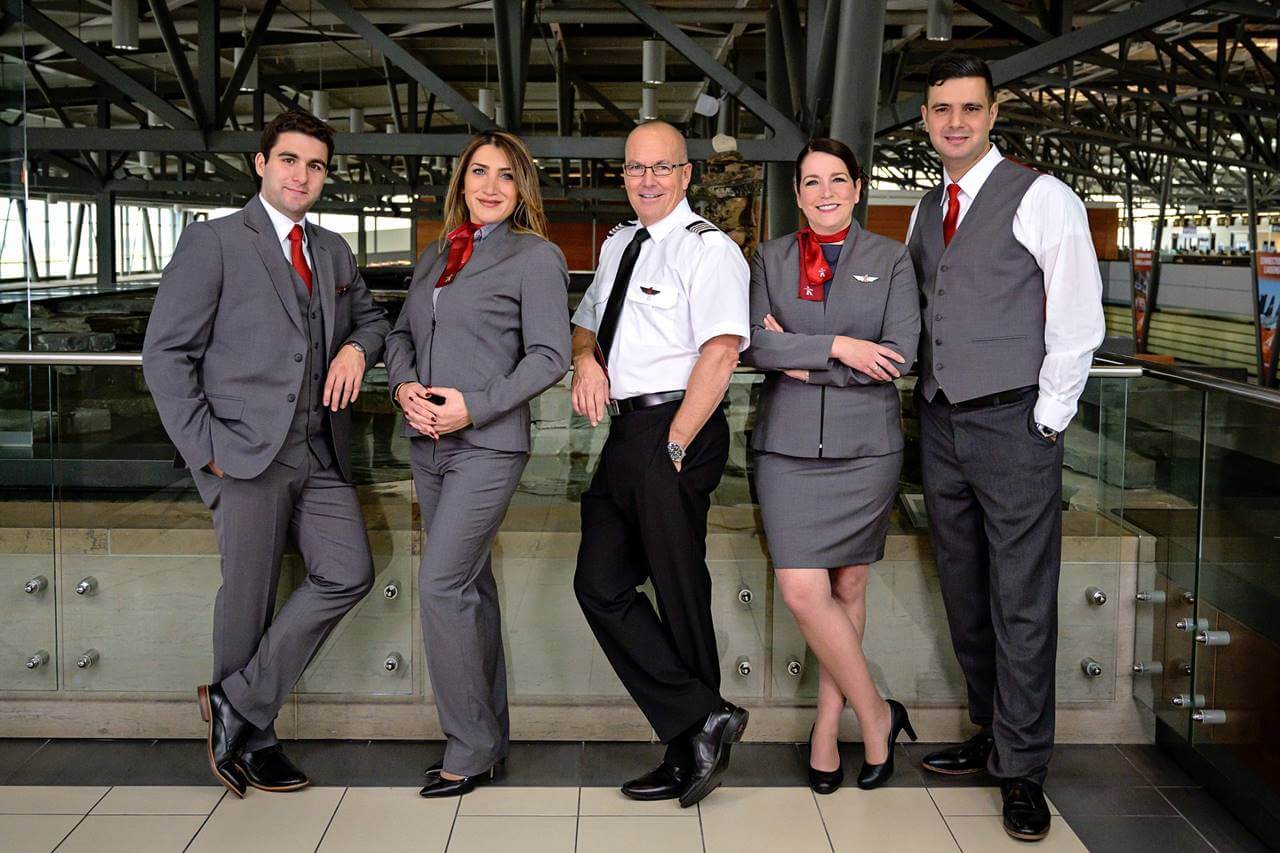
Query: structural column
x,y
857,81
106,238
781,215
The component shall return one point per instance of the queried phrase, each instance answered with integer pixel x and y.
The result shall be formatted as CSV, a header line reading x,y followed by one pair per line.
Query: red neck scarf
x,y
461,242
815,272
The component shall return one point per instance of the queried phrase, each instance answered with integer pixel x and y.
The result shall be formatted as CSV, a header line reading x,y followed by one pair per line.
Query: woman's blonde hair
x,y
528,215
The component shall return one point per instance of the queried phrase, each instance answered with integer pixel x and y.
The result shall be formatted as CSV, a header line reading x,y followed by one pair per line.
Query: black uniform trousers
x,y
993,491
643,520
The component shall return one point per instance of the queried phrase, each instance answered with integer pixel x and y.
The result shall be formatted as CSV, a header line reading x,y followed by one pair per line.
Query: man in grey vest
x,y
1012,312
259,339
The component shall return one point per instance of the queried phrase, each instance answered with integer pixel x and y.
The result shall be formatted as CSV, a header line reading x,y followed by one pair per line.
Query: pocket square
x,y
343,289
866,279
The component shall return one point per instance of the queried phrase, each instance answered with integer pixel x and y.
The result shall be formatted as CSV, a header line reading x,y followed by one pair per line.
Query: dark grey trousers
x,y
258,654
464,492
993,489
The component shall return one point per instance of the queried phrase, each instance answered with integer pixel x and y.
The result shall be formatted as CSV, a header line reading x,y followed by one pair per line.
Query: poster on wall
x,y
1268,313
1141,295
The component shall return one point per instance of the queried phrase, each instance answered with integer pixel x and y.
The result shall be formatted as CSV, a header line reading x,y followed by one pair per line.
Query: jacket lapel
x,y
272,255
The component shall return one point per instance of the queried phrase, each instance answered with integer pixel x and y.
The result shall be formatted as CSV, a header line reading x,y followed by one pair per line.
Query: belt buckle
x,y
613,408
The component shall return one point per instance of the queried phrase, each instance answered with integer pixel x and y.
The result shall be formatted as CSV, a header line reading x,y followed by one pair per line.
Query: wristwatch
x,y
355,346
1047,432
675,451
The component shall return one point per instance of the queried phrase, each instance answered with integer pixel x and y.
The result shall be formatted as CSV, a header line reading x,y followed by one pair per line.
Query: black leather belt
x,y
986,401
644,401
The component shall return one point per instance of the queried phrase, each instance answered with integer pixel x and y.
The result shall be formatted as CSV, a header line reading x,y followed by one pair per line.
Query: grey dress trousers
x,y
499,333
236,355
829,451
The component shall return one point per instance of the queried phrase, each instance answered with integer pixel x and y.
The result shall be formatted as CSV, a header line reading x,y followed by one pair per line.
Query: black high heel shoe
x,y
823,781
438,786
875,775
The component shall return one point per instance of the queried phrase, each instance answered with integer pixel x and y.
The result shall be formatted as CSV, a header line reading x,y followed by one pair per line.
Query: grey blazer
x,y
839,412
499,333
223,350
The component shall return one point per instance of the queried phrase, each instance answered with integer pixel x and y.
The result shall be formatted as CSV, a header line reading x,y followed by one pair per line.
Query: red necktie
x,y
299,259
461,242
952,218
815,272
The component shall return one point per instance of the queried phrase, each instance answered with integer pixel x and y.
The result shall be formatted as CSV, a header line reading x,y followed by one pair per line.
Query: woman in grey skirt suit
x,y
484,329
834,319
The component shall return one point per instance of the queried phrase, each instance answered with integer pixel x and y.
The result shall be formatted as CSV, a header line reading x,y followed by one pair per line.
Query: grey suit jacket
x,y
223,353
839,412
499,333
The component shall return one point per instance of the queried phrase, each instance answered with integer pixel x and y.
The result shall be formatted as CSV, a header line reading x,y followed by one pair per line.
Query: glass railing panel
x,y
1160,502
28,569
1237,663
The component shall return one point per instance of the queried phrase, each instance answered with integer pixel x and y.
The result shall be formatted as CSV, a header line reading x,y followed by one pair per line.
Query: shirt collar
x,y
677,218
977,175
282,223
485,230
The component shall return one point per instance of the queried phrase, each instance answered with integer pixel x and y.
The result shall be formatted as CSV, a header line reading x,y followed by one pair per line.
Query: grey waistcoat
x,y
982,296
307,431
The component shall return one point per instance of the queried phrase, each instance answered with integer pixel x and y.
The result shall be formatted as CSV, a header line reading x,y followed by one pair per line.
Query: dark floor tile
x,y
766,765
1158,767
335,763
1213,820
1093,764
915,755
608,765
84,762
173,762
14,752
544,763
906,771
1102,798
1128,834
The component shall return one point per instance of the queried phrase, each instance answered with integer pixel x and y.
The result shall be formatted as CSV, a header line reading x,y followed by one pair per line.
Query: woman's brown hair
x,y
528,215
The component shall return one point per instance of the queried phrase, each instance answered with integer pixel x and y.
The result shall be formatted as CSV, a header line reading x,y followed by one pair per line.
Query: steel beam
x,y
1110,29
105,237
208,13
508,40
406,62
600,98
786,132
99,66
857,83
178,57
821,23
781,215
251,45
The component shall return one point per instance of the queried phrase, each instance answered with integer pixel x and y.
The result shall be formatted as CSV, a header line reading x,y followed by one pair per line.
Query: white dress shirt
x,y
283,225
686,289
1052,225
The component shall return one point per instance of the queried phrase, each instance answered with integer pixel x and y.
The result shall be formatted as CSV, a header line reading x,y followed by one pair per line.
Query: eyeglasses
x,y
660,170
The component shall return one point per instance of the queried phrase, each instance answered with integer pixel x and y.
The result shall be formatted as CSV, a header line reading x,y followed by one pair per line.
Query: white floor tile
x,y
973,802
511,801
132,834
280,823
987,835
160,800
50,799
473,834
34,833
639,834
764,819
388,820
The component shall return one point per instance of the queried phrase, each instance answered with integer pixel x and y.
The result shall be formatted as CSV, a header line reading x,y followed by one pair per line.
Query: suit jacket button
x,y
942,292
937,316
937,342
937,367
292,397
297,356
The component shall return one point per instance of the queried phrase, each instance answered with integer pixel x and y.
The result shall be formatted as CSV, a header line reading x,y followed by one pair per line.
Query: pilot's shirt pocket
x,y
661,295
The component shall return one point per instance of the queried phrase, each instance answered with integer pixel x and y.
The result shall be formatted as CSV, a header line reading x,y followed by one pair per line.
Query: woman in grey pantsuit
x,y
485,329
834,318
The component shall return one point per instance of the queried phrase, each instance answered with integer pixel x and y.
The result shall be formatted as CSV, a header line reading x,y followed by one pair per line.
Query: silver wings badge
x,y
866,279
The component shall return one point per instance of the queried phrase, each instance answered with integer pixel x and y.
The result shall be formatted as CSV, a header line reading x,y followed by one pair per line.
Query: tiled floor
x,y
90,796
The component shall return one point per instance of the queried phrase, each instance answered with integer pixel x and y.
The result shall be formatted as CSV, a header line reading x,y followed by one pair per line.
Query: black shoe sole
x,y
650,798
276,789
942,772
1023,836
206,714
733,730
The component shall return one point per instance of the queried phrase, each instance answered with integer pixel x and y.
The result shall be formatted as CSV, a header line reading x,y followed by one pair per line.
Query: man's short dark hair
x,y
956,65
296,121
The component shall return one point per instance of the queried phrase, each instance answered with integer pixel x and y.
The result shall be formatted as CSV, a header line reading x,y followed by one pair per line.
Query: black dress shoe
x,y
962,759
269,769
226,736
824,781
875,775
710,747
1026,814
434,769
664,782
438,786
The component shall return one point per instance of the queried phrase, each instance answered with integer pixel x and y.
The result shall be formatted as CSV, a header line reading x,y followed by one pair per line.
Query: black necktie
x,y
613,309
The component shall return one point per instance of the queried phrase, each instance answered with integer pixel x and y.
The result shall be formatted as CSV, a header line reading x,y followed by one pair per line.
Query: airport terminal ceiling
x,y
1102,93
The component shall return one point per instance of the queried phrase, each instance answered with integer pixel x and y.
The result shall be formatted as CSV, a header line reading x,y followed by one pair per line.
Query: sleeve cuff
x,y
743,334
1053,413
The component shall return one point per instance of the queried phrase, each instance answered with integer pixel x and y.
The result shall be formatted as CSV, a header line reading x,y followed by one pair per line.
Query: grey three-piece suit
x,y
829,449
236,355
498,333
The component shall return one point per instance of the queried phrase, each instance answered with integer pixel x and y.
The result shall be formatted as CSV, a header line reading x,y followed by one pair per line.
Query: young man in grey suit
x,y
260,336
1012,310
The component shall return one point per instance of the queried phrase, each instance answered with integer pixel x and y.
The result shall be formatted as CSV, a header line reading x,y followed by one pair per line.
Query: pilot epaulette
x,y
615,229
701,226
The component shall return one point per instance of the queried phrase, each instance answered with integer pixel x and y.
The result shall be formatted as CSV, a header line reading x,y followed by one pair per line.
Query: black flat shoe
x,y
710,747
269,769
438,786
225,738
664,782
875,775
434,769
963,758
1026,814
824,781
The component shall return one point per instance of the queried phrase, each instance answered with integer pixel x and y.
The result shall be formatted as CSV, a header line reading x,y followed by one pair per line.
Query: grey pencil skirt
x,y
826,513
